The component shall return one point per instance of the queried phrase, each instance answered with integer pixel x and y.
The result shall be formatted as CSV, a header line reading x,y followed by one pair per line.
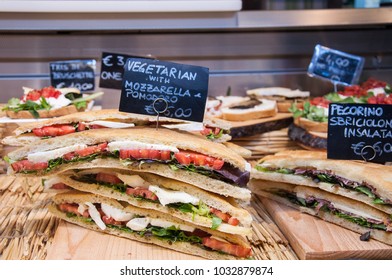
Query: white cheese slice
x,y
82,208
133,180
138,224
168,196
92,210
377,90
121,145
166,224
192,126
48,183
248,167
110,124
58,102
48,155
115,213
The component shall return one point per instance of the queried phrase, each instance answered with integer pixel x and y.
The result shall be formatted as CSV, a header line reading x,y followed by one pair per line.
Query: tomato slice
x,y
81,126
108,178
186,158
59,186
54,130
183,158
86,151
26,165
225,217
165,155
206,131
72,208
141,192
145,154
110,221
91,149
231,249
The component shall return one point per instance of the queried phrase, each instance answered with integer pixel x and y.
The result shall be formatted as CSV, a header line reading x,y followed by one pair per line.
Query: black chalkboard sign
x,y
360,131
336,66
78,74
173,90
112,69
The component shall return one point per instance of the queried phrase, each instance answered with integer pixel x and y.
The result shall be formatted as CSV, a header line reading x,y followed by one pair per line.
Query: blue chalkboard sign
x,y
360,131
78,74
336,66
172,90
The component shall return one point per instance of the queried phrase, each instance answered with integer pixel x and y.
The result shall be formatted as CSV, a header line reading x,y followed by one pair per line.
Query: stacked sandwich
x,y
211,128
159,186
355,195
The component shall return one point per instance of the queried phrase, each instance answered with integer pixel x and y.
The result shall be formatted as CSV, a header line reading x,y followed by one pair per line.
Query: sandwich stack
x,y
352,194
159,186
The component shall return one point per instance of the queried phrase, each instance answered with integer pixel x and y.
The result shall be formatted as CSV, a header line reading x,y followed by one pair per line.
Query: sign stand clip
x,y
364,153
154,105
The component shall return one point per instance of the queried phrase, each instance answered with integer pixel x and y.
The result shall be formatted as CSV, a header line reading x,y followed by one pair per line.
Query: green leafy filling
x,y
309,112
201,209
15,105
292,197
328,178
334,97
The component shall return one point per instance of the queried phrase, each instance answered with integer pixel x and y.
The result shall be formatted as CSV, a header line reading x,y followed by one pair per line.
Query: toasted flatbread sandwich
x,y
145,190
351,214
25,134
368,183
181,156
118,218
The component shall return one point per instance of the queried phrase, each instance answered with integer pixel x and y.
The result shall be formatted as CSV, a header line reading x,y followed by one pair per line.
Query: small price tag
x,y
360,131
112,69
173,90
78,74
336,66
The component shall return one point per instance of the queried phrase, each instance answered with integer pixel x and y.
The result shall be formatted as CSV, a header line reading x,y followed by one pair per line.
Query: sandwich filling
x,y
106,216
340,211
133,153
327,176
136,187
68,128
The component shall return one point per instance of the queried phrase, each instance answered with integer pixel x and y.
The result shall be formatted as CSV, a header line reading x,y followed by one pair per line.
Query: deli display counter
x,y
242,49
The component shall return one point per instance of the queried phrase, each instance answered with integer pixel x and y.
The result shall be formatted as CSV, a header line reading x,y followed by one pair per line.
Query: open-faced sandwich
x,y
48,102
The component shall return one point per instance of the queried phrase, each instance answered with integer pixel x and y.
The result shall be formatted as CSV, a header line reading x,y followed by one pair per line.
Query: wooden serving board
x,y
72,242
253,127
313,238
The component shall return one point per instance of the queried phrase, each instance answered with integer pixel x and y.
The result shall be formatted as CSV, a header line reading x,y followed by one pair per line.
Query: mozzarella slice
x,y
133,180
112,124
120,145
115,213
82,208
92,210
58,102
48,155
168,196
192,126
166,224
48,183
138,224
